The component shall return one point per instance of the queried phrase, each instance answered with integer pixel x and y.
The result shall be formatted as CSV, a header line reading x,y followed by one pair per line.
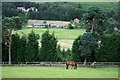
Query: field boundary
x,y
62,64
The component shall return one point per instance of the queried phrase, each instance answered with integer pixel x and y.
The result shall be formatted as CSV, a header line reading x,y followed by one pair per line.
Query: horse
x,y
71,63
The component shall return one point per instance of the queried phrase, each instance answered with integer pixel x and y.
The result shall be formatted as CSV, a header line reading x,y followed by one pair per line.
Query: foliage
x,y
18,22
59,54
48,51
15,48
109,48
32,47
95,21
75,50
10,10
87,45
57,11
70,26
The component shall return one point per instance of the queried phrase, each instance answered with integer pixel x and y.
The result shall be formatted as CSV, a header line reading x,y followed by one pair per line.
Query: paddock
x,y
58,70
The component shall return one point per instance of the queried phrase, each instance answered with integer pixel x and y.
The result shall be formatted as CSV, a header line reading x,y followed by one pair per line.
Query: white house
x,y
28,9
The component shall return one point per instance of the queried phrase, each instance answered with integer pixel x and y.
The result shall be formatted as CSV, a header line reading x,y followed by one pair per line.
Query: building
x,y
76,20
28,9
42,25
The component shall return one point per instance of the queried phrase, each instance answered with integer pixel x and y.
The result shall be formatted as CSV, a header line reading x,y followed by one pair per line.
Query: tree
x,y
45,22
15,49
109,48
18,22
95,27
23,18
95,21
79,5
70,26
23,48
112,24
48,50
75,50
68,55
32,47
59,53
9,23
87,45
64,55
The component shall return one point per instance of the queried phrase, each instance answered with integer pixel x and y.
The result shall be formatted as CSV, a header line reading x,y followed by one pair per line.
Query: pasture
x,y
59,32
58,72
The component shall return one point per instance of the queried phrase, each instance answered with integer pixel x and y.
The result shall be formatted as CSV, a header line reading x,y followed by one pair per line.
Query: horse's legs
x,y
66,66
74,67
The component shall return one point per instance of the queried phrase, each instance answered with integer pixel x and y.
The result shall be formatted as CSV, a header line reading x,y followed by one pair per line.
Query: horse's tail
x,y
76,65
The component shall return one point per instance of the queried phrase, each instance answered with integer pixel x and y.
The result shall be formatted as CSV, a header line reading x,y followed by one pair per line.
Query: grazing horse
x,y
71,63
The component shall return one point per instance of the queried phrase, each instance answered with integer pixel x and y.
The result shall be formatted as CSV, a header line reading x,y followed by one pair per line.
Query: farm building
x,y
42,25
57,25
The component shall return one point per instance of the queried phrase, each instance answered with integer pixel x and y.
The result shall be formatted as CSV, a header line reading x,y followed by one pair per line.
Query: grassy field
x,y
59,33
58,72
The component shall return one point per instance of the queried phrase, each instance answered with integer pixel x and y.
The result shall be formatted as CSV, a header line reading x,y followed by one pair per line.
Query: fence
x,y
61,64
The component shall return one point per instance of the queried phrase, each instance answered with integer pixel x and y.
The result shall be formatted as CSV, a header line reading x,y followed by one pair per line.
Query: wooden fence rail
x,y
61,63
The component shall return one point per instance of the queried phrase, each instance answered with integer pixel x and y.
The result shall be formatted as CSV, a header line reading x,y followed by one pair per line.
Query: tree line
x,y
26,49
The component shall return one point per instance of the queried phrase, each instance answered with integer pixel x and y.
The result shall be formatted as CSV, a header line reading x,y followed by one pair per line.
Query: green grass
x,y
58,72
59,33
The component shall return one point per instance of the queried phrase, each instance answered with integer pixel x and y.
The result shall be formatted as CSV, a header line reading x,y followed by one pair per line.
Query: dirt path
x,y
65,43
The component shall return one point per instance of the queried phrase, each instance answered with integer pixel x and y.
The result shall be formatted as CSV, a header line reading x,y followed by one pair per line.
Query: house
x,y
76,20
28,9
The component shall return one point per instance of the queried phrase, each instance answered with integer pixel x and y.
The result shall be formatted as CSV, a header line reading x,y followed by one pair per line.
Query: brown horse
x,y
71,63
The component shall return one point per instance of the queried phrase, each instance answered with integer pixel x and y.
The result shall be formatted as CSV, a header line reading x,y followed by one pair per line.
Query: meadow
x,y
59,32
58,72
